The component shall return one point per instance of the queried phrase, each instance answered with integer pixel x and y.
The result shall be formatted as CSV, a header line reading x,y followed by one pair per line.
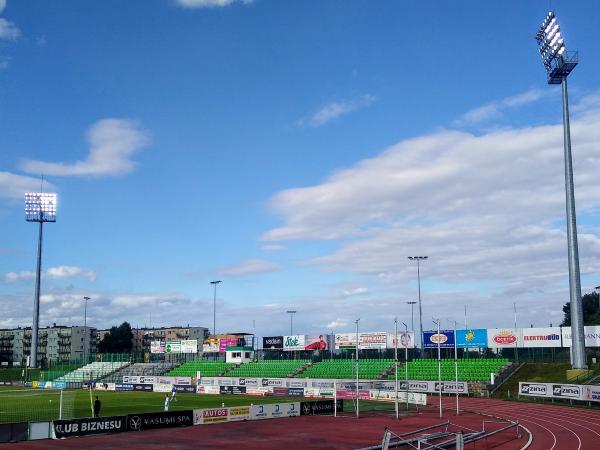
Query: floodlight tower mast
x,y
39,207
559,63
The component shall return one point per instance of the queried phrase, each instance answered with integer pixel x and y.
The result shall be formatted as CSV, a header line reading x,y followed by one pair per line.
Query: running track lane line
x,y
514,409
531,433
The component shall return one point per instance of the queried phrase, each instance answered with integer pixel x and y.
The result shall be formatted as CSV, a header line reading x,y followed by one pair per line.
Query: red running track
x,y
553,427
297,433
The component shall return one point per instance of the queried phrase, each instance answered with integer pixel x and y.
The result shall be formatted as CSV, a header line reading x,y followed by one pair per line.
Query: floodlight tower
x,y
418,259
559,63
39,207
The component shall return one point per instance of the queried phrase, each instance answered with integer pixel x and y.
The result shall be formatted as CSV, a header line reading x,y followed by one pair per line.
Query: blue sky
x,y
298,151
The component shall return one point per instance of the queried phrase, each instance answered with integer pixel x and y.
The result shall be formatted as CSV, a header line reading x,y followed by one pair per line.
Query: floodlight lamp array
x,y
550,40
40,207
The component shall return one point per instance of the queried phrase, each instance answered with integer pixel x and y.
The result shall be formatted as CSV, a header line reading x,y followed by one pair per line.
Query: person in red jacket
x,y
317,345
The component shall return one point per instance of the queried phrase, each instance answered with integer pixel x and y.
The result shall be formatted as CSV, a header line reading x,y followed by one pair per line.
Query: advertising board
x,y
320,407
213,390
157,347
503,338
472,338
239,413
591,393
445,339
367,340
189,346
273,343
83,427
225,343
173,347
541,337
405,340
592,336
275,410
149,421
294,343
232,390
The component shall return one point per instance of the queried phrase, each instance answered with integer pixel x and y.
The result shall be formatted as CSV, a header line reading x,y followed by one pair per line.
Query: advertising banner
x,y
280,392
316,342
572,391
472,338
225,343
555,390
503,338
238,413
259,391
591,393
320,407
232,390
592,336
211,415
275,410
249,382
213,390
350,394
405,340
294,343
83,427
367,340
173,347
189,346
273,343
149,421
376,340
157,347
541,337
160,387
445,338
211,346
142,387
272,382
123,387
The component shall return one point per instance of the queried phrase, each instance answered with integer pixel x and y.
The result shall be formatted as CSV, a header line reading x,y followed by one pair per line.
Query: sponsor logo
x,y
438,338
272,382
561,390
292,341
534,389
546,337
82,427
505,337
135,423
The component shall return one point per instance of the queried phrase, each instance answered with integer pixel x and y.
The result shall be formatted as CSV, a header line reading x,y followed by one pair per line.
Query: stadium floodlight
x,y
39,207
418,259
559,63
291,313
214,283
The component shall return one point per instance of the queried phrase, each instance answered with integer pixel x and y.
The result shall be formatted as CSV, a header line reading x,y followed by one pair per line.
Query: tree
x,y
591,310
117,340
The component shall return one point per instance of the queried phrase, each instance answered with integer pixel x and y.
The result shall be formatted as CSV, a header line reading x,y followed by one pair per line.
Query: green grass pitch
x,y
27,405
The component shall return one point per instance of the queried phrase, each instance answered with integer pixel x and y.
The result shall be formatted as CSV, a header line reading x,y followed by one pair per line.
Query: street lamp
x,y
291,313
418,259
214,283
86,334
39,207
412,314
357,368
558,64
437,322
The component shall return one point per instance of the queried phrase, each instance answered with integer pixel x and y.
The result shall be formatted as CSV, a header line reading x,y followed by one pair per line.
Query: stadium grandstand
x,y
270,368
92,371
206,369
139,369
370,369
476,369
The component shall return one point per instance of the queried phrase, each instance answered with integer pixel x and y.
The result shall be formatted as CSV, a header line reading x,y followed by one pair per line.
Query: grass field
x,y
22,405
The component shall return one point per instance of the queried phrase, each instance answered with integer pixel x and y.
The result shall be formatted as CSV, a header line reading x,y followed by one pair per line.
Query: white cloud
x,y
334,110
2,5
273,248
14,186
249,267
112,144
210,3
494,109
486,209
53,273
336,324
354,291
8,30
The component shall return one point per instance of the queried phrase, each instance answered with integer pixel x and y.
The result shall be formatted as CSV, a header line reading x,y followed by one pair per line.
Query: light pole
x,y
558,64
86,334
456,367
412,314
419,259
406,361
357,408
291,313
517,341
214,283
39,207
437,322
396,365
